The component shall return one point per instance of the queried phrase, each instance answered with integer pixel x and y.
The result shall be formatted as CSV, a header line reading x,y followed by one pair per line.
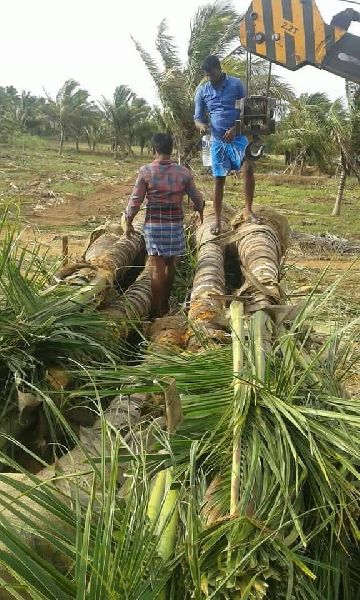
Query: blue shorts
x,y
227,156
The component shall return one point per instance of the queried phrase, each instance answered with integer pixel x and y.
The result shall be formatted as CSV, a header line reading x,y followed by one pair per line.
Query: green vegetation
x,y
295,522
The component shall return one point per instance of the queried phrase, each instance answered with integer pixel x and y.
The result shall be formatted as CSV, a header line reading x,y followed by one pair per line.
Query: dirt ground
x,y
75,217
106,203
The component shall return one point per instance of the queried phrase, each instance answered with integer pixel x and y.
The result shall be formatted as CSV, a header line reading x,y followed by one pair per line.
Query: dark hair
x,y
162,143
210,63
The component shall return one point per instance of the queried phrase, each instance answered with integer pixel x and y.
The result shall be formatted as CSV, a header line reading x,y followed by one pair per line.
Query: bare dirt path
x,y
106,202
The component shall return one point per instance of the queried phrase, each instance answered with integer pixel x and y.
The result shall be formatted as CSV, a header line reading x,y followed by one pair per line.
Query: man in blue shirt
x,y
219,98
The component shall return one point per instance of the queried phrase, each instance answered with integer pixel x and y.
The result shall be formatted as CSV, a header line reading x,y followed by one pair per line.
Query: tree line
x,y
121,122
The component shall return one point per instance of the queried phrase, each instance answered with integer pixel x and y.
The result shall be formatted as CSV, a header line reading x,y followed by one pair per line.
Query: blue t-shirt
x,y
220,104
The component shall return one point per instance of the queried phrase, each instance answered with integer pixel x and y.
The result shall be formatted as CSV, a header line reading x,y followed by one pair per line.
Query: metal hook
x,y
250,155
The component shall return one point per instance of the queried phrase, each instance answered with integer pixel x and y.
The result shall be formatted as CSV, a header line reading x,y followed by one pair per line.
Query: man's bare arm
x,y
202,127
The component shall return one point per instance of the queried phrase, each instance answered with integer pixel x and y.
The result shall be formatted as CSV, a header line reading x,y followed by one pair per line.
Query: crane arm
x,y
292,33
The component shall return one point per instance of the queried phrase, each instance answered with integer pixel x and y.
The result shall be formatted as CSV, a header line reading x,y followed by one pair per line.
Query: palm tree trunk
x,y
341,189
105,261
260,248
62,139
116,145
302,166
133,306
207,300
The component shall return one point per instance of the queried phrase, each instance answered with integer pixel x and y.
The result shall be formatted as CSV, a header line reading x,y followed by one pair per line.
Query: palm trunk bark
x,y
107,259
207,302
340,194
133,306
260,248
62,139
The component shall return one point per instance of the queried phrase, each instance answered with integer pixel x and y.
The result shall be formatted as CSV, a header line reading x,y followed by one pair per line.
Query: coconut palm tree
x,y
19,112
346,132
214,29
305,132
125,113
70,111
319,131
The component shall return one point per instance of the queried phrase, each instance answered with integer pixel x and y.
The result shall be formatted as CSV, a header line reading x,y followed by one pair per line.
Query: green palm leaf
x,y
166,48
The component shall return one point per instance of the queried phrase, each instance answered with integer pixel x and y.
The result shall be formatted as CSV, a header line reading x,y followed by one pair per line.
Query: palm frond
x,y
106,545
166,47
149,62
300,451
213,29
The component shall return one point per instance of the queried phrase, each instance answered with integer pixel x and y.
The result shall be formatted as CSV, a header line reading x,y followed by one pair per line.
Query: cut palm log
x,y
108,257
127,312
133,306
110,254
261,247
107,227
207,302
168,333
113,253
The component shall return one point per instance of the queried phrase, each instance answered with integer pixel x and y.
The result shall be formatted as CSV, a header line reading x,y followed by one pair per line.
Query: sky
x,y
45,42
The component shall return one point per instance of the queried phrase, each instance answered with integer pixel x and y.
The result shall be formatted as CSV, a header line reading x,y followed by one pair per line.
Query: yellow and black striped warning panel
x,y
291,33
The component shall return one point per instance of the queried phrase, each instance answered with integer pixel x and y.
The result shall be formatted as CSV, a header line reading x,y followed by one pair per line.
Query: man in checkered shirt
x,y
163,183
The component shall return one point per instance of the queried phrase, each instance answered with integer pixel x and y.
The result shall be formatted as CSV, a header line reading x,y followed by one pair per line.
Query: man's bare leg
x,y
218,202
158,284
169,278
249,189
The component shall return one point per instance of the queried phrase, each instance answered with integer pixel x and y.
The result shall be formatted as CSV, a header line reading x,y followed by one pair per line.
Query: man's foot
x,y
250,217
215,229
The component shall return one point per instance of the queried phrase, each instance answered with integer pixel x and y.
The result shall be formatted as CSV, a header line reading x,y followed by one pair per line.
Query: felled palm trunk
x,y
260,248
107,258
127,312
132,306
207,302
168,334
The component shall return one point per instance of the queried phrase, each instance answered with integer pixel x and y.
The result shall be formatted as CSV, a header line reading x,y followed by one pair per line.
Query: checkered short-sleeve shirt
x,y
163,184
